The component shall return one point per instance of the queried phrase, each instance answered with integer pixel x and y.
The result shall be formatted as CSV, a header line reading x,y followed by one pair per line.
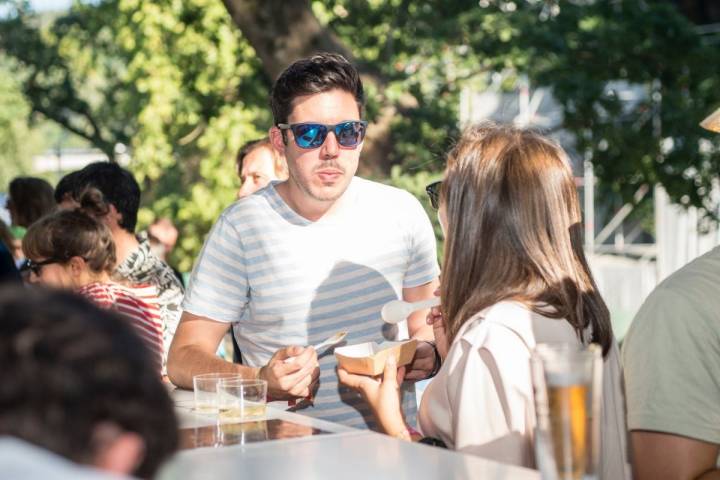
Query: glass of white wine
x,y
205,390
241,399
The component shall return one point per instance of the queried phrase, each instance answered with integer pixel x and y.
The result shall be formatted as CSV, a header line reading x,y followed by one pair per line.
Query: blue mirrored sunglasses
x,y
312,135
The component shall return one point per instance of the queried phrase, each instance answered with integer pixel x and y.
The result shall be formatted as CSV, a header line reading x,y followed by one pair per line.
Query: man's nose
x,y
330,148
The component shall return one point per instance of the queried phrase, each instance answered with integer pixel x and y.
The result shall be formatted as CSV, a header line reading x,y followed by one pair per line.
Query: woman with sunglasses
x,y
73,250
514,275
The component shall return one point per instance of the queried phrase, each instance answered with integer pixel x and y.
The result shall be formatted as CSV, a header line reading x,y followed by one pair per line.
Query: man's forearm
x,y
188,361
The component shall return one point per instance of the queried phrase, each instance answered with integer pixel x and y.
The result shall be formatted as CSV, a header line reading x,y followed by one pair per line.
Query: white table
x,y
345,454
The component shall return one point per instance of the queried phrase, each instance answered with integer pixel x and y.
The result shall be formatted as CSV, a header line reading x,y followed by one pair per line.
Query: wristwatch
x,y
438,361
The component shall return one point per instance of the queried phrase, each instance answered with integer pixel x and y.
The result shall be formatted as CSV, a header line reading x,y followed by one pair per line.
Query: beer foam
x,y
567,379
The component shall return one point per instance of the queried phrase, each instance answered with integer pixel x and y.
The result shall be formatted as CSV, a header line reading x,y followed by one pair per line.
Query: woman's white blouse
x,y
481,400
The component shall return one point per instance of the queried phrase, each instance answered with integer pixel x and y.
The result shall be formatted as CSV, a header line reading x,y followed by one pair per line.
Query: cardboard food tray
x,y
369,358
712,122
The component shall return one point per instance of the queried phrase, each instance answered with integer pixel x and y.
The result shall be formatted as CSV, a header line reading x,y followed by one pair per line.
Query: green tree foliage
x,y
172,80
179,84
434,48
15,150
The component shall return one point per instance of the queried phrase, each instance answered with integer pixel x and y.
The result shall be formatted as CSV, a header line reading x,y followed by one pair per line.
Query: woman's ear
x,y
77,266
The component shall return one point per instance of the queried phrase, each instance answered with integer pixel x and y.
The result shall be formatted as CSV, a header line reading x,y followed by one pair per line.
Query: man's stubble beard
x,y
307,190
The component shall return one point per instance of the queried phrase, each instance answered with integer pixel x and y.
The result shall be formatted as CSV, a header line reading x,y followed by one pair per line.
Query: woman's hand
x,y
435,318
382,393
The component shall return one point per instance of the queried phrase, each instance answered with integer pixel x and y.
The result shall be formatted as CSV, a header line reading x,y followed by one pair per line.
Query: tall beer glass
x,y
567,381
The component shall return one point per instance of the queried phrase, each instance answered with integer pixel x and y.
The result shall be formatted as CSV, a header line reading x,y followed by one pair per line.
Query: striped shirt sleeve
x,y
423,267
143,316
218,287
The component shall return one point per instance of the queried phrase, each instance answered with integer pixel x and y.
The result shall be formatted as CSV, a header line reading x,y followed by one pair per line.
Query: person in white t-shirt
x,y
514,275
302,259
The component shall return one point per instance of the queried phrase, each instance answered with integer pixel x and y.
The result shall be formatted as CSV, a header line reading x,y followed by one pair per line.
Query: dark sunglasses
x,y
36,267
312,135
433,191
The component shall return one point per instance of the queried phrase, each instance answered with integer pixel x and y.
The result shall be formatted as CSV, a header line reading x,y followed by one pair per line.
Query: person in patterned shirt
x,y
136,264
72,250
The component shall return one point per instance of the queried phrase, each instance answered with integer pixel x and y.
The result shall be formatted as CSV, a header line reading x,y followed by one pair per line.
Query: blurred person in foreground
x,y
79,398
514,275
136,264
73,250
303,259
671,356
258,163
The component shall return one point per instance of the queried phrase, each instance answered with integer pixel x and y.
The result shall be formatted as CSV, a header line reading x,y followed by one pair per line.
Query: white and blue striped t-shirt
x,y
284,280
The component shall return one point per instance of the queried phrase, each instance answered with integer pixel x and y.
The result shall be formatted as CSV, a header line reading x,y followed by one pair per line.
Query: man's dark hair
x,y
66,187
316,74
118,187
68,367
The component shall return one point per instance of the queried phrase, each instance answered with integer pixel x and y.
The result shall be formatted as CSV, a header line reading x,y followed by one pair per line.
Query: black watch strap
x,y
438,361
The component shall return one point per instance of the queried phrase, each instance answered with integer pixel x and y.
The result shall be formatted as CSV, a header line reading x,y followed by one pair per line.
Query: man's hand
x,y
423,363
296,379
435,318
382,393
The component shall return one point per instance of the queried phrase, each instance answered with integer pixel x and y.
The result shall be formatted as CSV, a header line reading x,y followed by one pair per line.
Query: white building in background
x,y
69,159
626,271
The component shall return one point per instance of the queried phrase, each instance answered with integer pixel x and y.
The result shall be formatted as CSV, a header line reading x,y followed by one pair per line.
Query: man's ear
x,y
277,140
114,218
117,451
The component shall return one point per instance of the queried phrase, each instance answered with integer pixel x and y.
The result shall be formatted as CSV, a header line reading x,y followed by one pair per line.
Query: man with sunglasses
x,y
314,255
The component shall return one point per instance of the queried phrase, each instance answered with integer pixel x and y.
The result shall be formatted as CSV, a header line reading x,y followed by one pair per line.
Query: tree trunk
x,y
282,32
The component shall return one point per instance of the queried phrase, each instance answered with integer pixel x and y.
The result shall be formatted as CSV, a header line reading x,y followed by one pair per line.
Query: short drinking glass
x,y
205,389
240,400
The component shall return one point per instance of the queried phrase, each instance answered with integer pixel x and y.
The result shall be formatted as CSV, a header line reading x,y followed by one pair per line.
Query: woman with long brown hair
x,y
514,275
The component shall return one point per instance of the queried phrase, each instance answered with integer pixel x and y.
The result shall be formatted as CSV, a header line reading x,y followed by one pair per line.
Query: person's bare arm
x,y
417,326
193,348
193,352
663,456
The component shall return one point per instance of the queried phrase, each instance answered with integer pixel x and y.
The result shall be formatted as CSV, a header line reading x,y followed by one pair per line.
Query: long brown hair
x,y
74,233
514,232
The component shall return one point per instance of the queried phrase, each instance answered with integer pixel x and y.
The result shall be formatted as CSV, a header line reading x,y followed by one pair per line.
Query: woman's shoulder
x,y
497,319
509,323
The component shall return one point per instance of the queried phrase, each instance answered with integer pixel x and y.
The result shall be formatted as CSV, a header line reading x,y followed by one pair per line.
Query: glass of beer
x,y
205,390
567,383
240,399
